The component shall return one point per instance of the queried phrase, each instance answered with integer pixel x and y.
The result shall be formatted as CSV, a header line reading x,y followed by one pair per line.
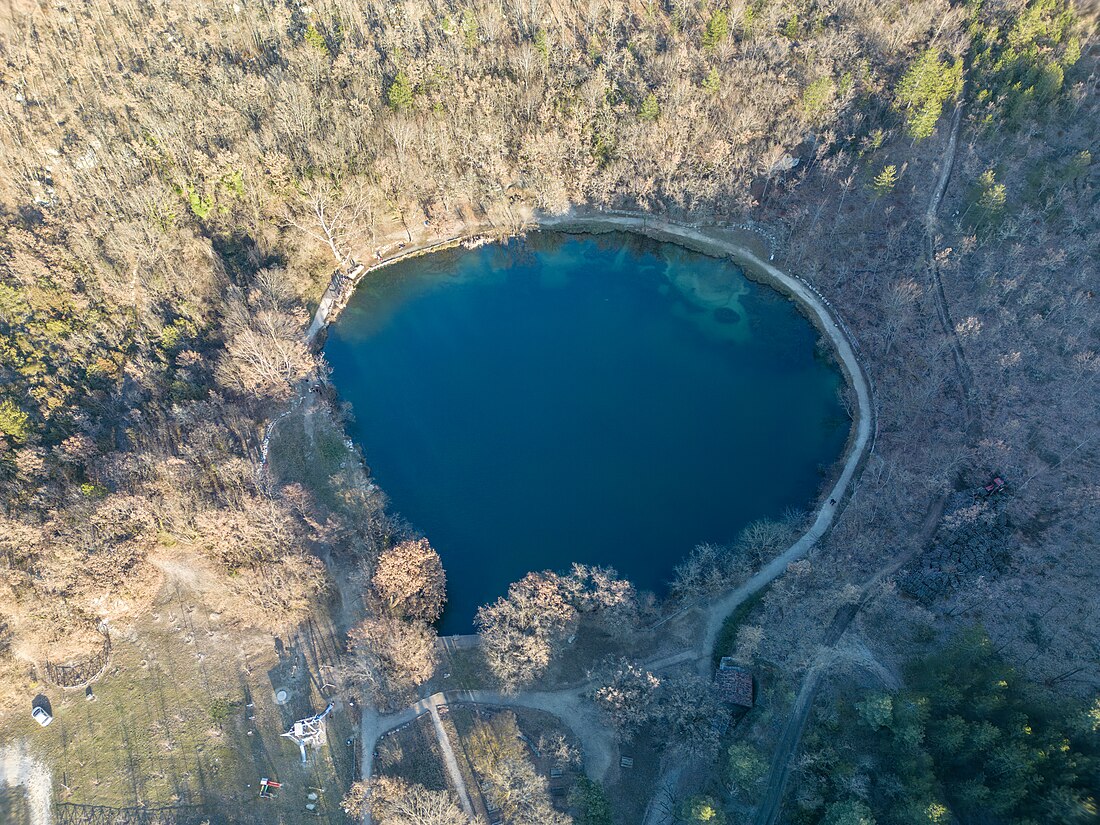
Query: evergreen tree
x,y
992,195
712,83
849,812
650,110
924,88
745,768
13,421
816,98
886,180
702,810
315,39
717,30
1020,62
999,748
400,94
590,800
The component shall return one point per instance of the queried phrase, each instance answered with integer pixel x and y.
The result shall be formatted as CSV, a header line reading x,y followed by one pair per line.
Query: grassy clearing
x,y
468,671
592,644
314,454
412,753
186,714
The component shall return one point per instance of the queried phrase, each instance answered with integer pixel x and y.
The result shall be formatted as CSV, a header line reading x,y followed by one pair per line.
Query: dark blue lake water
x,y
602,399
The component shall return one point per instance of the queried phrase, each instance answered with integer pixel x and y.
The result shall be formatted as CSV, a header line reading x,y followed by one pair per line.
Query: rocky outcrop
x,y
971,542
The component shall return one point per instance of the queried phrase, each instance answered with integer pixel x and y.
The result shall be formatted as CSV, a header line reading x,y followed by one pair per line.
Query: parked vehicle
x,y
41,716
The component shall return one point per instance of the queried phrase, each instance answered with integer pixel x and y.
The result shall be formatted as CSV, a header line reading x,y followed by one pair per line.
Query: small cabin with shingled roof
x,y
733,684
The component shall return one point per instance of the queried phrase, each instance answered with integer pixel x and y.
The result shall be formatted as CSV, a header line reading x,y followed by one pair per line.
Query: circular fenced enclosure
x,y
79,672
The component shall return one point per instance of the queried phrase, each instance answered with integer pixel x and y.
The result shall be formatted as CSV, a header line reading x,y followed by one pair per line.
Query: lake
x,y
604,399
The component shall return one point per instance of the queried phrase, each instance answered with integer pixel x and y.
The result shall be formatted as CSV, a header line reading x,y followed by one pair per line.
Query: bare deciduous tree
x,y
390,657
749,639
627,696
396,802
521,633
599,593
409,578
355,801
511,782
331,211
265,353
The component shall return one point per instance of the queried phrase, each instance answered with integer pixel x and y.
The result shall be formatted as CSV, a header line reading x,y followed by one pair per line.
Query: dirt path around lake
x,y
569,704
772,804
716,241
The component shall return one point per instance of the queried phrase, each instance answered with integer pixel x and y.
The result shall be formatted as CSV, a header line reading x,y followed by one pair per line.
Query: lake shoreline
x,y
744,248
750,247
735,243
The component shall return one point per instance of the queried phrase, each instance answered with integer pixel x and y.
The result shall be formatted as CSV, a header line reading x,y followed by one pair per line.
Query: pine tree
x,y
712,83
924,88
993,194
886,180
650,110
401,93
717,30
816,98
13,421
315,39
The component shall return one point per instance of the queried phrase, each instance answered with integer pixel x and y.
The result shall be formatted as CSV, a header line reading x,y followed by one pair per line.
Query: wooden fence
x,y
78,674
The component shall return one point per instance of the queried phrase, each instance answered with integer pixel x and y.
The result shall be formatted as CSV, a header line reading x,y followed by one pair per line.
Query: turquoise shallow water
x,y
602,399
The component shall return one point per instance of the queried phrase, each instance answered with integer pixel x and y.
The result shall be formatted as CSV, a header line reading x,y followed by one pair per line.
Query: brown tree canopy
x,y
500,757
355,801
409,578
89,562
520,633
599,593
390,657
394,801
265,353
626,695
682,707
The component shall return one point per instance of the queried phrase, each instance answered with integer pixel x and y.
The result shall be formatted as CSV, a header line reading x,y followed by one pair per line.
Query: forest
x,y
969,738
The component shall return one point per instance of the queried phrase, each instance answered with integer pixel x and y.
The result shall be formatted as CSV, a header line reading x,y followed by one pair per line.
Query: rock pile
x,y
972,541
